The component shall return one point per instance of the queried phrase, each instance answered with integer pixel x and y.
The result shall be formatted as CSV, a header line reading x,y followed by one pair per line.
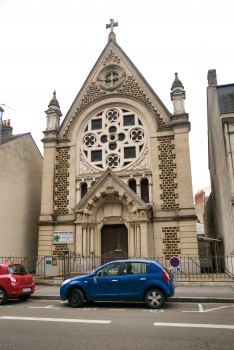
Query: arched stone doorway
x,y
114,237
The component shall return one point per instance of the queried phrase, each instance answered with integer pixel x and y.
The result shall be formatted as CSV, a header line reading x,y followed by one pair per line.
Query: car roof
x,y
8,264
133,260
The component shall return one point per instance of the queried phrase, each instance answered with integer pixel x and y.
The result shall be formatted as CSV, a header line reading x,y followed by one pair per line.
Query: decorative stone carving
x,y
111,77
142,162
84,166
114,138
114,209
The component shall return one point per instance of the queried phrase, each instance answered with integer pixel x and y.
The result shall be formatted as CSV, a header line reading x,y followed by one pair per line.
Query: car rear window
x,y
17,270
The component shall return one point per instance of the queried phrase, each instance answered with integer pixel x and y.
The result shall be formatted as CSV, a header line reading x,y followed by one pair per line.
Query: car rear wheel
x,y
3,296
76,298
154,298
24,297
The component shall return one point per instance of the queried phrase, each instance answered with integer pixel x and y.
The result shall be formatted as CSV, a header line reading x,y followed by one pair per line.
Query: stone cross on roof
x,y
112,25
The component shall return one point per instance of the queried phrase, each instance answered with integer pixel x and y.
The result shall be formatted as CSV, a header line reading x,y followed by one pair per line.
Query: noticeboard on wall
x,y
63,237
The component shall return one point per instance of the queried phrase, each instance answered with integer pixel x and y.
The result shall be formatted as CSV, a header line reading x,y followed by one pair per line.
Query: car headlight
x,y
66,281
13,279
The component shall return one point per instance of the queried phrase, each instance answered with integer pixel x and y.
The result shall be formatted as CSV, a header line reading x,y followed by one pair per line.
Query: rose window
x,y
113,138
137,135
112,115
113,161
89,140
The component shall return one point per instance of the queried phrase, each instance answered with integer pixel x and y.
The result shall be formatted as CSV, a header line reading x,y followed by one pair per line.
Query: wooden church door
x,y
113,238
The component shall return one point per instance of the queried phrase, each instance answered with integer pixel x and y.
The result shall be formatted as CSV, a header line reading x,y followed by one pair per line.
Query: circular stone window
x,y
111,77
114,138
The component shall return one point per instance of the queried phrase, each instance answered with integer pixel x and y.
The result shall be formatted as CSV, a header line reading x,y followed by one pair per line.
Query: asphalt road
x,y
43,324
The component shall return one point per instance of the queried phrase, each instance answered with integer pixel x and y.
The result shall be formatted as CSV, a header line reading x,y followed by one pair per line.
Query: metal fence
x,y
68,264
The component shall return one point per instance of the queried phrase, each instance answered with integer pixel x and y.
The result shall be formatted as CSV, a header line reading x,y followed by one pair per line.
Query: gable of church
x,y
114,73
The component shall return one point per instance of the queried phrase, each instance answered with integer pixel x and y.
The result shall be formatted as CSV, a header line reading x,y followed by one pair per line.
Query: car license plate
x,y
26,289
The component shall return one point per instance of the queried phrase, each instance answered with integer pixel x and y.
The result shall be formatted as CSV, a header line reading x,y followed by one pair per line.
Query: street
x,y
43,324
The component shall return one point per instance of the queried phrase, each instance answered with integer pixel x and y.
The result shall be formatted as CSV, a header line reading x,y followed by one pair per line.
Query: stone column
x,y
131,250
150,192
87,241
91,239
84,231
138,234
138,189
144,239
79,239
78,192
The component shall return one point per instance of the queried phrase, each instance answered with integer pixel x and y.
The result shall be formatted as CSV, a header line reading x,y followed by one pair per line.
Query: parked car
x,y
135,280
15,282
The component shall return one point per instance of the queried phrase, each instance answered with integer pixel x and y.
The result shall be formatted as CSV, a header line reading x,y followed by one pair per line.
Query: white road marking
x,y
89,308
216,308
68,320
153,310
117,310
9,306
200,307
62,302
45,307
194,325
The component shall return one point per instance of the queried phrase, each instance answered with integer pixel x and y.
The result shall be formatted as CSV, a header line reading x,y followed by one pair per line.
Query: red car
x,y
15,282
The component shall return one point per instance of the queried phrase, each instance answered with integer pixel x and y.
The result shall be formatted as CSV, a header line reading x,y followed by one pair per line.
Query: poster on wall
x,y
63,237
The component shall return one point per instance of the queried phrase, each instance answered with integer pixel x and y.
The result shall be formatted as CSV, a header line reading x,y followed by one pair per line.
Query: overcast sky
x,y
52,45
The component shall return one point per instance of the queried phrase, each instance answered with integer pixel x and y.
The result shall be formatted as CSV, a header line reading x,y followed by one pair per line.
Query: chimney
x,y
199,197
211,77
6,128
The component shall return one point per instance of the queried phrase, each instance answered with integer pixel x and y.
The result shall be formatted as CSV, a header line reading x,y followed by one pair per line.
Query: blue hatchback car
x,y
135,280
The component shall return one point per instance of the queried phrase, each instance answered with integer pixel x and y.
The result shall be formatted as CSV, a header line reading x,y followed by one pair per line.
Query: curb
x,y
45,297
200,300
55,282
171,300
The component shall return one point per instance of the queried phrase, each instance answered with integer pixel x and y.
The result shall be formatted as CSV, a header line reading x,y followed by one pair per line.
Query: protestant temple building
x,y
116,172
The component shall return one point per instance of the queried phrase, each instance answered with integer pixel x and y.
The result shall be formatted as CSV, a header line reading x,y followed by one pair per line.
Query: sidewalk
x,y
189,293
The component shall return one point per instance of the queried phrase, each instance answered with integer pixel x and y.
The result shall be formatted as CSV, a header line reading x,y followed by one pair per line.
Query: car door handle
x,y
114,280
142,279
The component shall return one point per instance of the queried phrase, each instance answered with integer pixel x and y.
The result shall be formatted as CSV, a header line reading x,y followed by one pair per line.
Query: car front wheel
x,y
76,298
3,296
154,298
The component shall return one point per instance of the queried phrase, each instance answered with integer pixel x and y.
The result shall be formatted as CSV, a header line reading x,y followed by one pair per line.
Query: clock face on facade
x,y
113,138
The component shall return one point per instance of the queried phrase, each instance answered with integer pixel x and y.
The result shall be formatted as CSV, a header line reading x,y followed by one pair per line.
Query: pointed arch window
x,y
145,190
132,185
83,190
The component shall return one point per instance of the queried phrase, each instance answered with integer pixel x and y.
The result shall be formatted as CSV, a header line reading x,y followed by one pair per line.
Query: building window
x,y
145,190
132,185
113,138
112,79
83,190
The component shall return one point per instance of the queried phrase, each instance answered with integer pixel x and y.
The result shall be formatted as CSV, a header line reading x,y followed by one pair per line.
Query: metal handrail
x,y
201,268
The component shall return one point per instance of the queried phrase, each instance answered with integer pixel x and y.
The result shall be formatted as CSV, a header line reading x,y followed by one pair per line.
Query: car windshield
x,y
17,270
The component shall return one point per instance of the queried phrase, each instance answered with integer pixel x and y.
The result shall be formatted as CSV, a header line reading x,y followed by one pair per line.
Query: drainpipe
x,y
1,112
229,153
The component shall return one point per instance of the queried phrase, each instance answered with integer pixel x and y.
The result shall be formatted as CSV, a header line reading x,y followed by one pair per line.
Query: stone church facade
x,y
116,172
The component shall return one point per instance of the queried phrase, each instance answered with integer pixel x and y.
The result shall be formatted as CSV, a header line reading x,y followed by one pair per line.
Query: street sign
x,y
174,261
173,269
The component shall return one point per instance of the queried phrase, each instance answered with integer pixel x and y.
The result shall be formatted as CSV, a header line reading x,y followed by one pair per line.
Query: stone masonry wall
x,y
131,87
91,94
167,176
171,241
61,181
111,57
